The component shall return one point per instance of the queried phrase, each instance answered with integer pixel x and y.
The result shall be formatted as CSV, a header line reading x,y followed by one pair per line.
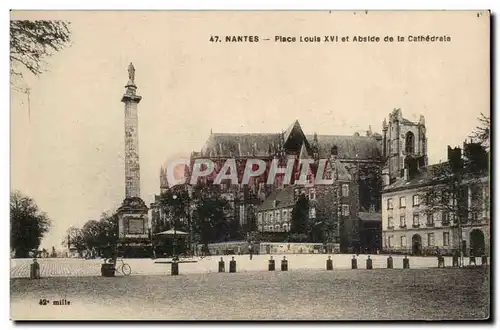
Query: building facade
x,y
409,226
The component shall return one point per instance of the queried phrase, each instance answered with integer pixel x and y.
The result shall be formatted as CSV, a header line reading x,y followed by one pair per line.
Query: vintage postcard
x,y
250,165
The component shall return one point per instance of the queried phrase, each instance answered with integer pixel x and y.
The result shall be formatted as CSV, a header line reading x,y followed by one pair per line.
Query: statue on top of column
x,y
131,72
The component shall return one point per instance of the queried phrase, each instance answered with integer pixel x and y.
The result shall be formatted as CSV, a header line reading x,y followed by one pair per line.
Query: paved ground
x,y
379,294
80,267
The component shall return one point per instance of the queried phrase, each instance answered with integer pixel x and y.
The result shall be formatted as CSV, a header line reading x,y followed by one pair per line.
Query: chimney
x,y
455,159
454,153
385,177
406,175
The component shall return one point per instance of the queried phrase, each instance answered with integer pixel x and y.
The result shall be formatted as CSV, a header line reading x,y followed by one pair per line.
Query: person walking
x,y
250,250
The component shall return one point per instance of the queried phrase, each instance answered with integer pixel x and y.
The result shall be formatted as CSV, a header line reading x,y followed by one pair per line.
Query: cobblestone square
x,y
81,267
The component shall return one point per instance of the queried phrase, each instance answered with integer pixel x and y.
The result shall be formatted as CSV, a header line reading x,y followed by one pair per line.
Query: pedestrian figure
x,y
250,250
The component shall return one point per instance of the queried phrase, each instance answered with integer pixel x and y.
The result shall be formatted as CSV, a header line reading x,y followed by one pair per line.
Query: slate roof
x,y
240,144
424,177
284,196
348,146
264,144
370,216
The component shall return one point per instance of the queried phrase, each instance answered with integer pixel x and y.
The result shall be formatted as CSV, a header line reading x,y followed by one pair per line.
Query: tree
x,y
211,222
175,204
33,41
108,234
481,133
27,225
300,216
74,238
98,235
447,192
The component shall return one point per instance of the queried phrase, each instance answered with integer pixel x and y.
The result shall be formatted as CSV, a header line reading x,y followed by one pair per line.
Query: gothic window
x,y
410,143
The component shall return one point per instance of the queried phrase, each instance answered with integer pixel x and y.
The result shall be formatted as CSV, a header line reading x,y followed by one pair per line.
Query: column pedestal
x,y
133,234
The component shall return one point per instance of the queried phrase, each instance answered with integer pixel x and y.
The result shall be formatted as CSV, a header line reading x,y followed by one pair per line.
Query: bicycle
x,y
123,268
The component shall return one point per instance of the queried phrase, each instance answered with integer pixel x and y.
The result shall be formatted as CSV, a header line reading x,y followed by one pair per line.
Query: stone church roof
x,y
267,144
242,144
348,147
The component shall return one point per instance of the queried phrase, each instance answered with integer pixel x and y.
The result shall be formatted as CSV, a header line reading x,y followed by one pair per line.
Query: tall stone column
x,y
132,168
132,215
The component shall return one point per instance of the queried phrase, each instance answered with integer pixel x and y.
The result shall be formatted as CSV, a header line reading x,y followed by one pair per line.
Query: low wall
x,y
226,248
241,247
298,248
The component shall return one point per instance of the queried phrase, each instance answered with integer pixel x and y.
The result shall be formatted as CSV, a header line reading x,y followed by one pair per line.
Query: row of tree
x,y
201,210
98,235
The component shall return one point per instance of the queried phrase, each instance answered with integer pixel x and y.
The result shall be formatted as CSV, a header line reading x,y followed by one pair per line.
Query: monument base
x,y
133,231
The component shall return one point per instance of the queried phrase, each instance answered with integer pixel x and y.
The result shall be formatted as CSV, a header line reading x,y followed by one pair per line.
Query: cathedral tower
x,y
403,139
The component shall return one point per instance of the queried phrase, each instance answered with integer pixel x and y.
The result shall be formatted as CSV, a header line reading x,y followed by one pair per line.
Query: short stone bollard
x,y
174,269
329,263
232,266
354,262
369,263
390,262
406,262
222,266
272,264
472,260
440,262
484,260
35,270
284,264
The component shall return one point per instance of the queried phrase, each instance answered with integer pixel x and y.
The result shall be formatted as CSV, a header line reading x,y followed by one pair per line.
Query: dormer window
x,y
335,151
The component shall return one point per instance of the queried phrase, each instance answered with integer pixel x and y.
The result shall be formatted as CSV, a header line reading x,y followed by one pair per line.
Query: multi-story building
x,y
275,214
350,206
410,226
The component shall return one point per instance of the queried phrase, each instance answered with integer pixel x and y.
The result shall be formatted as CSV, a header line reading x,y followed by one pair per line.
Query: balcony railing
x,y
415,226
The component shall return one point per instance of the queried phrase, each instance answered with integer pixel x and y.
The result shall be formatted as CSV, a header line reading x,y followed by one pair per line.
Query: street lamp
x,y
175,233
